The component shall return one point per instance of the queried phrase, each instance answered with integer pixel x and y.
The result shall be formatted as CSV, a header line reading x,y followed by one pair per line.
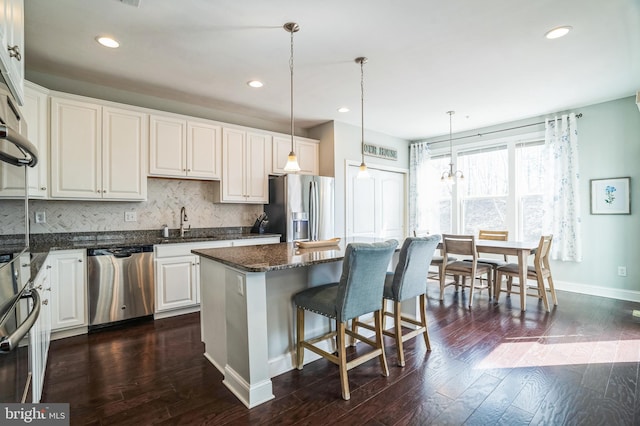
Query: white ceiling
x,y
487,60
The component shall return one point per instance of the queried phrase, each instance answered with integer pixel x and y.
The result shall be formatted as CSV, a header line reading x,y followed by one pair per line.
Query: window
x,y
501,189
530,178
484,192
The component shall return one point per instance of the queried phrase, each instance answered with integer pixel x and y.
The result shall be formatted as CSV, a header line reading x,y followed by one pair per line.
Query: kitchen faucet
x,y
183,218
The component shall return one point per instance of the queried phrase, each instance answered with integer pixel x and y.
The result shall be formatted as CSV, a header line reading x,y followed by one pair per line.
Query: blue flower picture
x,y
611,196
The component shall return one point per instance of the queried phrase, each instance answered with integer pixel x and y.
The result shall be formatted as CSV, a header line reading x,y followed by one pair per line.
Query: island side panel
x,y
247,369
282,285
213,320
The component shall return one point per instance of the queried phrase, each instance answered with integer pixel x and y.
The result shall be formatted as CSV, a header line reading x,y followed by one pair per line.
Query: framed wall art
x,y
611,196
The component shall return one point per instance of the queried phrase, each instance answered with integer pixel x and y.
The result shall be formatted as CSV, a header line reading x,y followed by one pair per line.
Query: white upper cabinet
x,y
306,151
34,126
244,167
97,152
12,48
184,148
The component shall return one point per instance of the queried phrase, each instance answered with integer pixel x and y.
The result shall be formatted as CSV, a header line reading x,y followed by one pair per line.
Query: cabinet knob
x,y
188,170
14,52
45,302
48,266
104,191
44,188
80,260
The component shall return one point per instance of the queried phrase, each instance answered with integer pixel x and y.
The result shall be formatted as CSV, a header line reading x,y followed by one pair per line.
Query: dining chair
x,y
436,261
407,282
538,272
484,234
464,245
358,292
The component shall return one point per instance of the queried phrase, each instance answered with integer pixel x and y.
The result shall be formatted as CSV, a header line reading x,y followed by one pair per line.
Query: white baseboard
x,y
591,290
176,312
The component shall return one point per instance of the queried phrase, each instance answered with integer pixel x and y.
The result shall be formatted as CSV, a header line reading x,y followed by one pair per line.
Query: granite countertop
x,y
273,257
43,243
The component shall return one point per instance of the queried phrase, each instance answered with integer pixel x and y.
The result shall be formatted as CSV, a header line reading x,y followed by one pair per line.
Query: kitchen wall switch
x,y
622,271
130,216
41,217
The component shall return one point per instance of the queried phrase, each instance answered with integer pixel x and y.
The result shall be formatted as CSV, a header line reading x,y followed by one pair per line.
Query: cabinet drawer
x,y
184,249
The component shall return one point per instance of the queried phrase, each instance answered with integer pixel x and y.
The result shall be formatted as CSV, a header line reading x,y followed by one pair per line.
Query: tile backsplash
x,y
164,200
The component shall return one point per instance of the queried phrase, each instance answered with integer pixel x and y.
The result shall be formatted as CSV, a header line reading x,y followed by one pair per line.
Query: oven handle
x,y
10,342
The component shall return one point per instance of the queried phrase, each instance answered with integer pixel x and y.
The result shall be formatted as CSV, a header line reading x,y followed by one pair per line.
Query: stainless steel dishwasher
x,y
121,284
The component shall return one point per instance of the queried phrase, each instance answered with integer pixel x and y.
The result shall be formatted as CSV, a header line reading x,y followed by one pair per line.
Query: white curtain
x,y
418,160
562,198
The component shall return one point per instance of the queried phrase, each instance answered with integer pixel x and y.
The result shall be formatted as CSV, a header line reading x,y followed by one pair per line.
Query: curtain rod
x,y
579,115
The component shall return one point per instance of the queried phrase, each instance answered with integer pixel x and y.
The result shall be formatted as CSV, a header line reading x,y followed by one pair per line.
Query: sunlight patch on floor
x,y
539,353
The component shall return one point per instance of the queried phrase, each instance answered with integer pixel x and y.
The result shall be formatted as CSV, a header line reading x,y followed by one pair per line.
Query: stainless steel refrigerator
x,y
301,207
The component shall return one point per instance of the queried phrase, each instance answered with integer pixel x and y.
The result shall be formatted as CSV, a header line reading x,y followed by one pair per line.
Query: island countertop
x,y
272,257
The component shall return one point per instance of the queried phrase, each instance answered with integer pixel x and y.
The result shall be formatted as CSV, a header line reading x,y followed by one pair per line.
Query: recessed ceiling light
x,y
343,109
255,83
107,42
558,32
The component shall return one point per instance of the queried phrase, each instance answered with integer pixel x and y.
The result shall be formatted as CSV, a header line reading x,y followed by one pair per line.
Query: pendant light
x,y
292,161
450,175
363,173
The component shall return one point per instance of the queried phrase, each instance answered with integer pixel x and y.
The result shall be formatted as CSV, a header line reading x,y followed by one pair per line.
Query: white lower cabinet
x,y
68,289
40,334
177,282
178,273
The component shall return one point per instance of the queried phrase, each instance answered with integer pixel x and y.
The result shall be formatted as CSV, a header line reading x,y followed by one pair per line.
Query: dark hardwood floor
x,y
489,365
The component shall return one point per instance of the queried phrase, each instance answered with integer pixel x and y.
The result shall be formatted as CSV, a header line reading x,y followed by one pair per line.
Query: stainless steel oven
x,y
19,304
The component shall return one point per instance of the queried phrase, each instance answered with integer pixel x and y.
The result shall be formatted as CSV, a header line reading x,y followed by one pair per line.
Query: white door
x,y
376,206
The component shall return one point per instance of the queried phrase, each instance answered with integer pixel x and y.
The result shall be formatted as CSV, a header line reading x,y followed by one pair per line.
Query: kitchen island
x,y
247,312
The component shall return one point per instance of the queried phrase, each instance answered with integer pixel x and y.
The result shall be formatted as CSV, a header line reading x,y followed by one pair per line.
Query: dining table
x,y
520,249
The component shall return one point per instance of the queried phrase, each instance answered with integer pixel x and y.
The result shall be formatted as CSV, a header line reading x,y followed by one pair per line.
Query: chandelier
x,y
450,175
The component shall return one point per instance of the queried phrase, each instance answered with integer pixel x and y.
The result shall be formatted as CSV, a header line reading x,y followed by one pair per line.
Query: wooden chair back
x,y
541,258
485,234
459,244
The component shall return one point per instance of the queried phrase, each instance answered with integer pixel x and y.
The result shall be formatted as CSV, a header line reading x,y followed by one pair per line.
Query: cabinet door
x,y
233,165
124,141
176,282
256,168
203,150
36,114
68,289
12,49
307,153
167,147
76,155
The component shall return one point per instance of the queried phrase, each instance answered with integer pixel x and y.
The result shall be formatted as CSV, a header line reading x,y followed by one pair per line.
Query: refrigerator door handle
x,y
313,210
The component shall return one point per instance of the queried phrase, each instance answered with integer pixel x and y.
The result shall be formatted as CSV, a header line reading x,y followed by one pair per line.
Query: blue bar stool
x,y
358,292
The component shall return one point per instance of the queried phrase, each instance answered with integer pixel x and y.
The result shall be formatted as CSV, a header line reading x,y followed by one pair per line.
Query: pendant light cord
x,y
362,61
291,69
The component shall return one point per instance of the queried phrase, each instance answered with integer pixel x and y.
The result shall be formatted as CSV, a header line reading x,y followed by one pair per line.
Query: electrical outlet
x,y
240,285
622,271
41,217
130,217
